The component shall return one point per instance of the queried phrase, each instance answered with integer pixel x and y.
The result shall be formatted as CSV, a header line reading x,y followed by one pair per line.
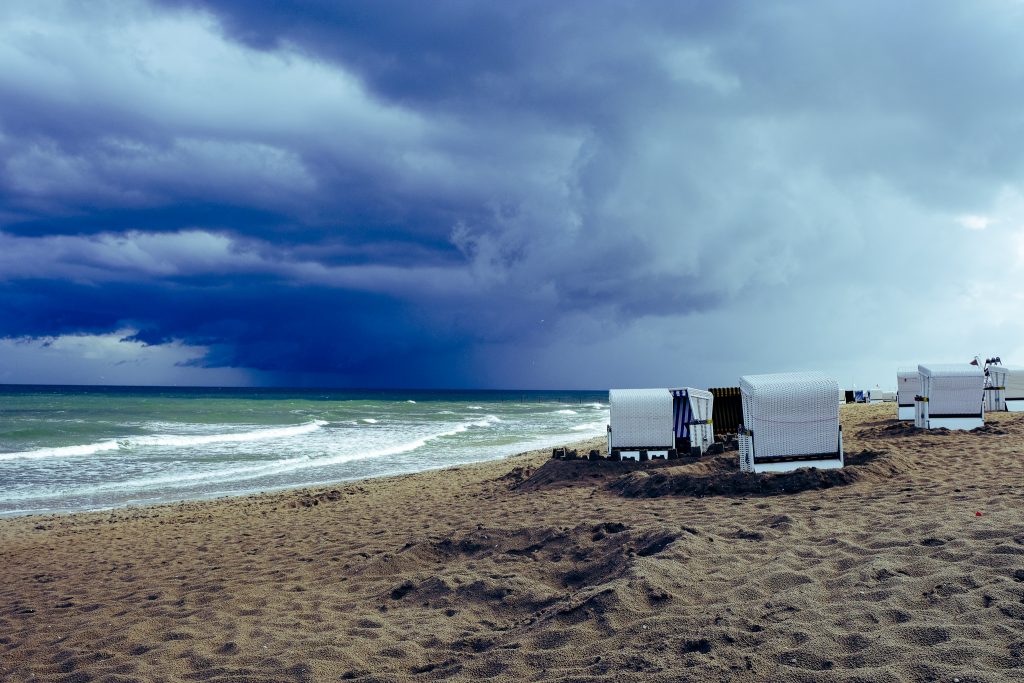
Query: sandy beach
x,y
906,566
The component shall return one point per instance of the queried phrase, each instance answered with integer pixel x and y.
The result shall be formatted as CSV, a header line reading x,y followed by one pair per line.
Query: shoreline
x,y
288,488
528,569
287,491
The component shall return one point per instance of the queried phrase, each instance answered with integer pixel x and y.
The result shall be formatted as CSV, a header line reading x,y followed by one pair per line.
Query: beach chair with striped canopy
x,y
1014,383
641,424
951,396
692,411
908,385
790,420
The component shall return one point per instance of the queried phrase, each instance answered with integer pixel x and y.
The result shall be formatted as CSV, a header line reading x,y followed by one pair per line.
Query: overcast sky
x,y
515,194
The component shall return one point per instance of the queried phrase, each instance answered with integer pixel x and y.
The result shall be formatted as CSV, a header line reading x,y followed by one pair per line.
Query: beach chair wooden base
x,y
925,419
751,461
785,465
905,413
995,400
962,423
643,454
1015,405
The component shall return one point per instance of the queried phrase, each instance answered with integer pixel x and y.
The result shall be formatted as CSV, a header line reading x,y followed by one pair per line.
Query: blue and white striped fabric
x,y
681,413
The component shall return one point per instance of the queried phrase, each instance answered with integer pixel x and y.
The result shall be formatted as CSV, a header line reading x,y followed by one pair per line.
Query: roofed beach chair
x,y
692,410
1014,383
790,420
875,396
908,385
640,424
995,388
951,396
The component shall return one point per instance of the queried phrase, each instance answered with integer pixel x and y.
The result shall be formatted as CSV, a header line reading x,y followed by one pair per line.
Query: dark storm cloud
x,y
293,332
458,192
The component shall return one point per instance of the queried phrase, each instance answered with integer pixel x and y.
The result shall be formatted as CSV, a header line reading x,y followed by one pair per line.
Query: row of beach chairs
x,y
868,396
957,396
791,420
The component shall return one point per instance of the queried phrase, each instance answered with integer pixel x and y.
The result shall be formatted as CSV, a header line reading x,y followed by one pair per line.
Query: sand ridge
x,y
501,572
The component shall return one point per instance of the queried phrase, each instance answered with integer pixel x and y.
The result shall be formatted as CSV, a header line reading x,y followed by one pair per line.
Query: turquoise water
x,y
75,448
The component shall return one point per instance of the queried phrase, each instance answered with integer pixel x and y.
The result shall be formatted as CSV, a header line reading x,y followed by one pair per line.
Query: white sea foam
x,y
63,451
474,407
596,406
239,437
565,412
410,401
277,467
171,440
21,511
369,420
589,427
446,412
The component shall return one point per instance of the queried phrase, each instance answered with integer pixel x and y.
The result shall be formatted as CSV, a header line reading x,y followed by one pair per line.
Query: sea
x,y
67,449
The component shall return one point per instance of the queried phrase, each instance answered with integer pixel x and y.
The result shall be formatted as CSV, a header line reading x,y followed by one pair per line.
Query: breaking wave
x,y
277,467
179,440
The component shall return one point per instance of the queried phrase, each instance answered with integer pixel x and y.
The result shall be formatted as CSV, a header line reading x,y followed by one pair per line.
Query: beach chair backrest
x,y
641,418
908,385
792,413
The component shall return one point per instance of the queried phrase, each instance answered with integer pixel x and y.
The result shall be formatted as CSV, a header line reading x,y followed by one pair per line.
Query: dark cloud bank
x,y
516,194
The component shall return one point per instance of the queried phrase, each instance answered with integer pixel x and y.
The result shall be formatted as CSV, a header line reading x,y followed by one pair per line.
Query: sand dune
x,y
529,569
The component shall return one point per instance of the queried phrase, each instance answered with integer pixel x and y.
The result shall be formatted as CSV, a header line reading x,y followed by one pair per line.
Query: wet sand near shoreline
x,y
531,569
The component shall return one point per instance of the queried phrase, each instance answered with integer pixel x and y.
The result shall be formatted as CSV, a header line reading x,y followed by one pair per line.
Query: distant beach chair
x,y
640,424
1013,397
790,420
951,396
995,388
692,411
875,396
889,396
908,385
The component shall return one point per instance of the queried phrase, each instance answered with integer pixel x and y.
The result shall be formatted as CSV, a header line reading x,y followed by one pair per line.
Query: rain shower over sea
x,y
65,449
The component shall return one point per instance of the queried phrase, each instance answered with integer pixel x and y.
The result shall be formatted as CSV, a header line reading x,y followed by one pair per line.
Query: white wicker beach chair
x,y
790,420
640,423
1014,383
875,396
908,385
693,409
995,388
951,396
